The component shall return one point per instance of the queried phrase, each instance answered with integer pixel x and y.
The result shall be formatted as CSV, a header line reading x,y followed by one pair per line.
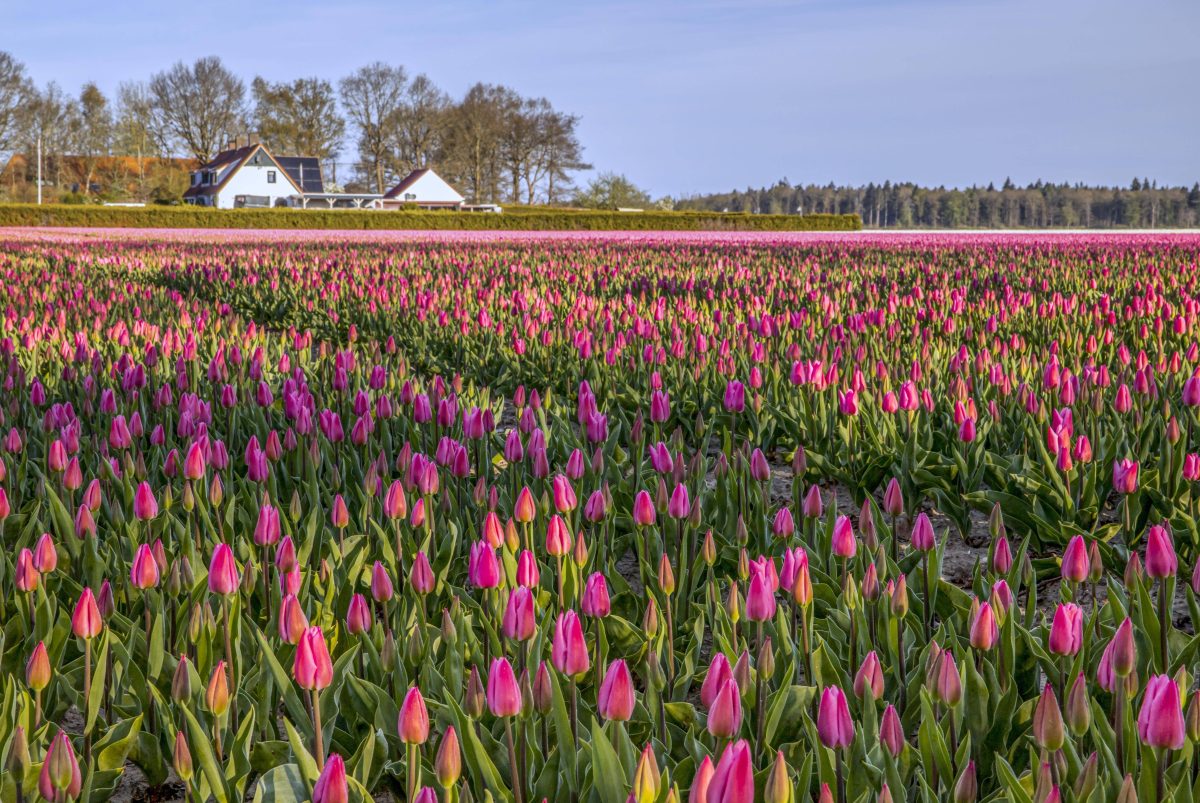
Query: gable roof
x,y
412,178
237,157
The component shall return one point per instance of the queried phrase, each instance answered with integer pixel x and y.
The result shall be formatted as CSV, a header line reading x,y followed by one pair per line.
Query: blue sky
x,y
706,95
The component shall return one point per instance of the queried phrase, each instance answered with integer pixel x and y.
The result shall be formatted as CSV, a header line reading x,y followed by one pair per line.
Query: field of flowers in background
x,y
599,517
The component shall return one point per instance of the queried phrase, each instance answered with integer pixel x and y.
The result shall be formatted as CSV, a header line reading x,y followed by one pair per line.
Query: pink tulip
x,y
483,569
844,544
1125,476
698,792
413,723
643,509
923,538
60,773
834,725
760,599
869,678
144,572
520,616
1075,563
733,778
312,667
420,576
596,602
1160,553
86,621
719,671
1160,721
725,713
292,621
503,694
615,697
331,785
1066,630
145,506
358,615
569,651
222,572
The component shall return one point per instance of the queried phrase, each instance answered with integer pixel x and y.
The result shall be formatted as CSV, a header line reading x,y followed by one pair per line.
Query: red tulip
x,y
144,572
37,670
524,509
45,556
292,621
86,621
413,723
698,793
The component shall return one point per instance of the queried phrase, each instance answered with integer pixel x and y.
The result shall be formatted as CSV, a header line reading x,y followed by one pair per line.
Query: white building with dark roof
x,y
250,176
424,189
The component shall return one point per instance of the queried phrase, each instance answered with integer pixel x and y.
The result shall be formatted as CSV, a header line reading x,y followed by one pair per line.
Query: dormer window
x,y
270,176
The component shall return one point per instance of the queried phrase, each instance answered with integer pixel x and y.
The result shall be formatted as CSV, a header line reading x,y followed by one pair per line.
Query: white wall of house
x,y
255,180
430,189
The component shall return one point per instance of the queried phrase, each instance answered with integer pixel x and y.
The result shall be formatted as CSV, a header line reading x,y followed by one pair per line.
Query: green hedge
x,y
537,220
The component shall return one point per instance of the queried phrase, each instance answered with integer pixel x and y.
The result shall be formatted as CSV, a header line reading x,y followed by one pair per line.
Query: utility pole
x,y
39,168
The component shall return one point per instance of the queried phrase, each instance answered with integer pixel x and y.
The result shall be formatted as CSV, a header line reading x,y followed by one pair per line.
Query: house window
x,y
270,176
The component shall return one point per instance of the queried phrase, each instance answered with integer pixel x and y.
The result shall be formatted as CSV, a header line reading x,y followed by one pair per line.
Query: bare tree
x,y
371,97
299,118
136,133
559,155
94,135
15,91
52,116
419,124
201,106
473,130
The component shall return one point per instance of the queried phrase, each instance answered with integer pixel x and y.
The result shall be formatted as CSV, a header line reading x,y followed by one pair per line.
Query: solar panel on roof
x,y
304,170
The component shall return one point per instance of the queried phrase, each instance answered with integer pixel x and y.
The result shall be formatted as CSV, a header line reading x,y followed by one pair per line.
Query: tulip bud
x,y
1079,712
37,670
647,780
891,732
1048,730
17,760
448,764
1128,793
181,681
1193,718
1086,782
474,698
778,786
967,788
182,758
216,696
543,689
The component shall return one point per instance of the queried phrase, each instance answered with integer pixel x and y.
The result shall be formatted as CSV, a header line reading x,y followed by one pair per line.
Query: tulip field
x,y
598,518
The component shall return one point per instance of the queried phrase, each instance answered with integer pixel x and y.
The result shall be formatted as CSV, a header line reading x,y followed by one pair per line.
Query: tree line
x,y
493,143
1143,204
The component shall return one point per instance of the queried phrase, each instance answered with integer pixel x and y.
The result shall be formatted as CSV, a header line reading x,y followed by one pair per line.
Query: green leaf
x,y
96,692
608,778
200,744
281,785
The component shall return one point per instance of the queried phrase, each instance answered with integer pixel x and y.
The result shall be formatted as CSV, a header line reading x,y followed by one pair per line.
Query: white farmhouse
x,y
250,176
425,189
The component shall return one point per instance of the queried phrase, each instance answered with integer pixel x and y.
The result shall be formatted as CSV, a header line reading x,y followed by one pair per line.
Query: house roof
x,y
237,157
411,179
305,172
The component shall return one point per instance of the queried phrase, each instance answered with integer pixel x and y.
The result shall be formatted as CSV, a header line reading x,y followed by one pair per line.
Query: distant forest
x,y
1143,204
